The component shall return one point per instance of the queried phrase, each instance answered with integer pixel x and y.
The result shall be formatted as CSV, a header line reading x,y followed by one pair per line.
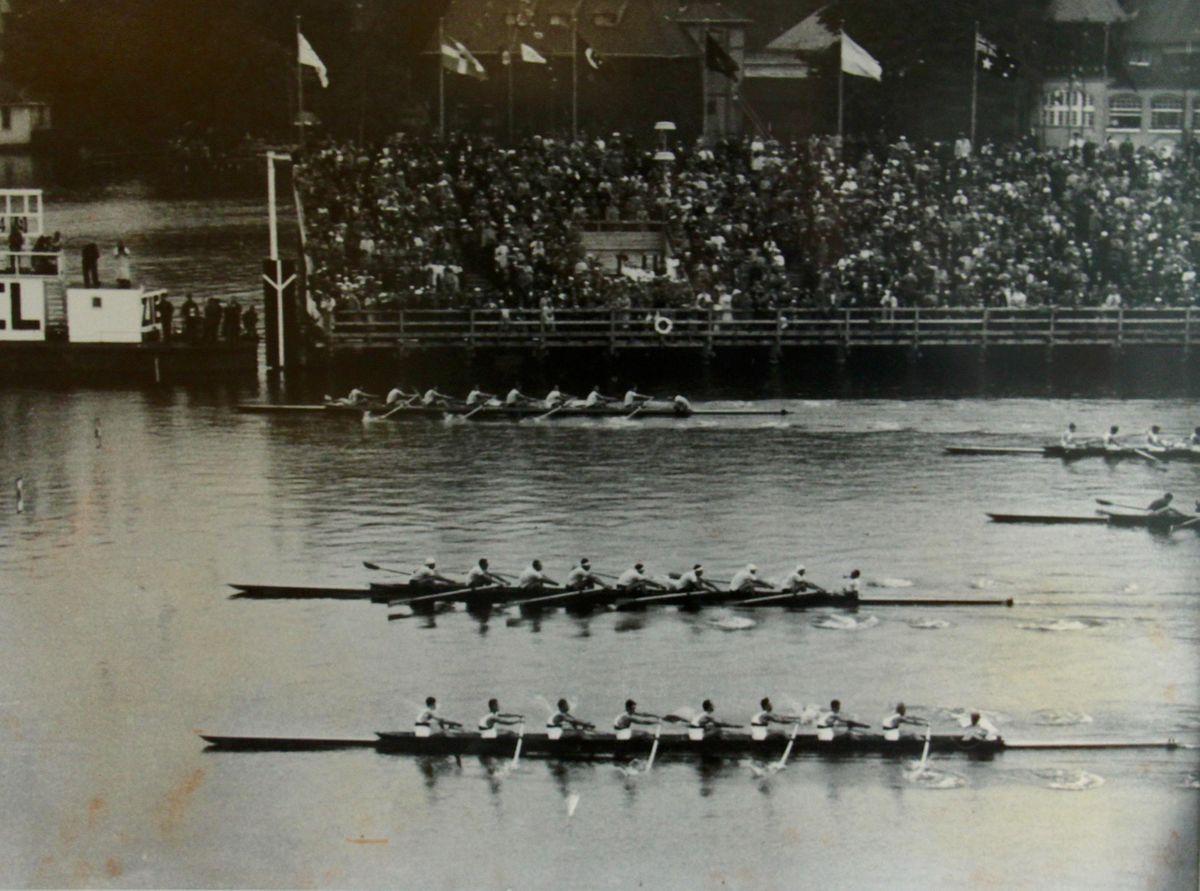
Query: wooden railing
x,y
698,329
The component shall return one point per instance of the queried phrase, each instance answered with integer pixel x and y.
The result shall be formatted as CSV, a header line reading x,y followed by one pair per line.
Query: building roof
x,y
1166,22
1101,12
808,35
709,13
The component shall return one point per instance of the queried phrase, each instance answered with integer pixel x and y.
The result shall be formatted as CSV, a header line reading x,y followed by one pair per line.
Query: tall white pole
x,y
273,223
841,76
441,79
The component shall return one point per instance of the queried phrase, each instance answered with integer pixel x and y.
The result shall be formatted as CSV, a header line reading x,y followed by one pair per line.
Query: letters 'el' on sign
x,y
14,297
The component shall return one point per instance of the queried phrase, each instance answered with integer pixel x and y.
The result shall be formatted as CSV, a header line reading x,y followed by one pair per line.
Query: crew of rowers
x,y
831,723
400,397
1154,440
633,580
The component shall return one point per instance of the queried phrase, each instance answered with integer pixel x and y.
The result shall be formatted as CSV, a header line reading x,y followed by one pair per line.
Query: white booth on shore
x,y
113,315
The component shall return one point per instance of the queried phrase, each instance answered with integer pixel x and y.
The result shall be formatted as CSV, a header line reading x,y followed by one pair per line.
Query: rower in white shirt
x,y
427,575
829,721
596,399
1110,439
581,577
705,725
633,398
747,580
399,396
795,582
480,575
433,397
980,728
490,724
429,721
532,578
852,585
635,579
893,722
1154,438
682,406
761,723
1193,441
516,398
478,397
556,397
625,722
562,720
693,580
1068,437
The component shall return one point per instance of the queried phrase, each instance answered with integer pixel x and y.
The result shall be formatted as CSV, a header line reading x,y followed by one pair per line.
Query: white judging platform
x,y
22,309
112,315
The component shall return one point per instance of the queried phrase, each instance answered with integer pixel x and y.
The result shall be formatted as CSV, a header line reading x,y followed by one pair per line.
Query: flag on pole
x,y
588,54
457,58
991,59
306,55
529,54
716,59
857,61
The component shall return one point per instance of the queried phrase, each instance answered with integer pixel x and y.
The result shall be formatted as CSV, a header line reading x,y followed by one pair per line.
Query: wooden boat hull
x,y
1156,523
298,592
1057,451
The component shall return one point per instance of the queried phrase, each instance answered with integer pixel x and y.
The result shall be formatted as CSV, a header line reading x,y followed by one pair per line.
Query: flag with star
x,y
993,60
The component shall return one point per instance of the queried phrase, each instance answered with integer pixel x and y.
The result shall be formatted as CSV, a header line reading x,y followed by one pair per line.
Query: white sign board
x,y
110,315
22,309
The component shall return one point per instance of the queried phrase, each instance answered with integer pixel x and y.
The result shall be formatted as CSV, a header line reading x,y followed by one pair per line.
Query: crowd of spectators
x,y
752,224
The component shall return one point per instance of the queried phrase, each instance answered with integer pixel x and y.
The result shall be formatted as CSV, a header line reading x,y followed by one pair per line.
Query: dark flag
x,y
993,60
716,59
587,54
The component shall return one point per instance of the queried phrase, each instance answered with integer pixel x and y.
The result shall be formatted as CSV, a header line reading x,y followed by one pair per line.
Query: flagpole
x,y
512,42
299,88
441,78
974,81
704,87
575,74
841,77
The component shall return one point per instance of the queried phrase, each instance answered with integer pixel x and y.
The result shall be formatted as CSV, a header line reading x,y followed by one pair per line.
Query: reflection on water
x,y
121,643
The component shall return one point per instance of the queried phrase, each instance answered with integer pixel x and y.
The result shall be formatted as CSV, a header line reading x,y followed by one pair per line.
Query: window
x,y
97,302
5,118
1166,113
1068,108
1125,113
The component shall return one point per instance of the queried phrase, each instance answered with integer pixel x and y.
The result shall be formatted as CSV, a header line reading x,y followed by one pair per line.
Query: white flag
x,y
308,56
457,58
857,61
529,54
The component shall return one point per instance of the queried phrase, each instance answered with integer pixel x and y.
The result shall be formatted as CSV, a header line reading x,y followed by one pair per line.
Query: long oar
x,y
635,412
407,603
654,746
520,742
925,752
473,412
376,566
1107,503
552,412
557,595
1186,523
787,752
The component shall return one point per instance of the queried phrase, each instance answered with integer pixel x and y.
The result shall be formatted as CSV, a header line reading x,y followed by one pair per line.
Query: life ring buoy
x,y
663,325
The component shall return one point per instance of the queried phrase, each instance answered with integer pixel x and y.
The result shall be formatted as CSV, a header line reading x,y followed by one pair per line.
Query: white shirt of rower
x,y
578,576
1068,439
513,397
428,717
1194,440
558,719
852,586
430,397
424,573
395,395
742,580
631,398
477,575
829,719
762,719
488,721
531,578
1110,440
593,399
793,581
1153,439
687,580
475,397
985,727
894,721
554,397
630,577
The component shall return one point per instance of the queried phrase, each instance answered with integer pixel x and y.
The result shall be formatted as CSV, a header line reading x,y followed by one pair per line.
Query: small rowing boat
x,y
1073,454
380,412
672,747
1156,522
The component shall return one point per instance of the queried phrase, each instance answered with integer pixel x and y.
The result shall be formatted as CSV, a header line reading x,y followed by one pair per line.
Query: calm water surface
x,y
120,644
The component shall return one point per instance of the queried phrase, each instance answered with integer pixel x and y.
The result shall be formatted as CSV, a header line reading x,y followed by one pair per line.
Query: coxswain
x,y
892,723
428,575
399,396
1161,505
490,724
761,723
429,721
980,728
693,580
747,580
706,724
624,723
1154,438
633,398
596,399
1111,443
581,577
851,588
682,406
555,398
829,721
478,397
533,579
562,720
480,575
433,397
516,398
634,579
1068,437
795,582
1193,441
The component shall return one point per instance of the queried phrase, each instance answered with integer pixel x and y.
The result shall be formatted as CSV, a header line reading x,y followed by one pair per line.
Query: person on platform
x,y
123,263
16,244
693,580
746,580
250,323
190,311
231,321
533,578
429,721
212,319
90,259
166,316
481,575
630,718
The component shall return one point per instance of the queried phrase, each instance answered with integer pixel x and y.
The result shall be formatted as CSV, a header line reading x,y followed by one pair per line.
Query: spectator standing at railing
x,y
250,323
90,257
212,319
231,321
124,272
16,244
166,315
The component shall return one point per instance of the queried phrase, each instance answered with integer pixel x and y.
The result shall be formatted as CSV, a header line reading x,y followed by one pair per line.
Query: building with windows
x,y
1124,73
21,117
